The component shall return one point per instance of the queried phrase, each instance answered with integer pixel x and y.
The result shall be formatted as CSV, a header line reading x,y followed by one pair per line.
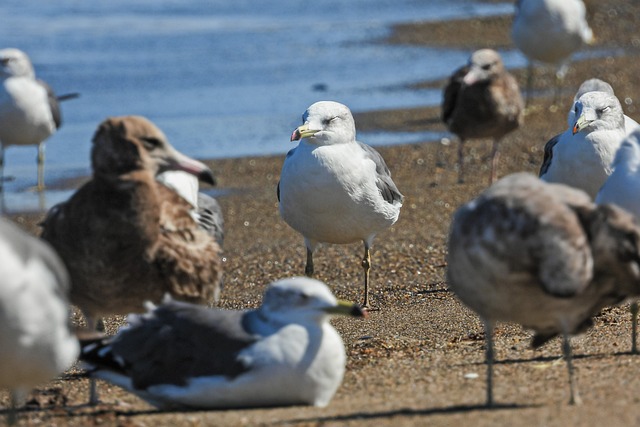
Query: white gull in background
x,y
334,189
36,343
623,189
184,355
543,256
482,100
597,85
581,156
29,110
550,31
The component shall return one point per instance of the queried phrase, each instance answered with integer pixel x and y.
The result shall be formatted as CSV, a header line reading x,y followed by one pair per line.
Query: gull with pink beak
x,y
482,100
124,237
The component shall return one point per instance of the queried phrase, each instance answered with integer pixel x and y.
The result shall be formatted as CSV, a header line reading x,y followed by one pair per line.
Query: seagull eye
x,y
151,143
486,67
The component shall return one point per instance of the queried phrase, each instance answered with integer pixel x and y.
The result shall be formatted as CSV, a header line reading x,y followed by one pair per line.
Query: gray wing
x,y
451,91
548,154
210,217
289,154
173,343
384,182
53,103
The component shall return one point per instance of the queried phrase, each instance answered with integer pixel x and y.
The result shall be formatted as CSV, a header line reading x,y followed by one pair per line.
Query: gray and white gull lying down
x,y
181,355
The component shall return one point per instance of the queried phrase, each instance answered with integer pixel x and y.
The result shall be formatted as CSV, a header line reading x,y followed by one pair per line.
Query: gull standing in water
x,y
183,355
334,189
482,100
543,256
550,31
29,110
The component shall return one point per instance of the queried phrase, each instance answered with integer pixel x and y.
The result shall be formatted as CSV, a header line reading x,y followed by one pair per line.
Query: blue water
x,y
221,78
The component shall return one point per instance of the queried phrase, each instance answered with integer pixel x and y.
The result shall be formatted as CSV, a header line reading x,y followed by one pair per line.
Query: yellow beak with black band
x,y
303,132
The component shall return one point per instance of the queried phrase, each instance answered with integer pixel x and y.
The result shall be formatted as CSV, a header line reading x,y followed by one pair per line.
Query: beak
x,y
180,162
303,132
346,308
471,77
584,120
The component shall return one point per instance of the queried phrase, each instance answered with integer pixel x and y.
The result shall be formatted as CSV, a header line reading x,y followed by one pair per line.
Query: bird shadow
x,y
407,412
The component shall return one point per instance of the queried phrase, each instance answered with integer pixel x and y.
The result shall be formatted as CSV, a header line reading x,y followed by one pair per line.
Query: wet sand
x,y
408,362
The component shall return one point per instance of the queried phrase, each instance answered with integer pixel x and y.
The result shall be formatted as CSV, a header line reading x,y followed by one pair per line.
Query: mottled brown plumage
x,y
126,238
482,100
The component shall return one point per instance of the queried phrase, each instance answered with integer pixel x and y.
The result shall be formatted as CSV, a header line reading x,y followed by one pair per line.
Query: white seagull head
x,y
303,300
15,63
598,111
484,65
326,123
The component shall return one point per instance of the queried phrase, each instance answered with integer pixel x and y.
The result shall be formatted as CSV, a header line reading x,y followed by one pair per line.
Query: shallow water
x,y
221,78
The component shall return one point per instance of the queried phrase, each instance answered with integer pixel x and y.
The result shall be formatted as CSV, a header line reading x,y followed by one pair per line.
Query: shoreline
x,y
408,363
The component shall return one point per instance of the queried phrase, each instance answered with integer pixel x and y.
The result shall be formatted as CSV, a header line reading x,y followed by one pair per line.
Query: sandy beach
x,y
410,362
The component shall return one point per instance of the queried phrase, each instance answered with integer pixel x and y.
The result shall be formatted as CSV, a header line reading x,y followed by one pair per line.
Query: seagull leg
x,y
41,166
308,269
461,161
488,337
566,349
366,265
634,327
495,157
17,397
529,83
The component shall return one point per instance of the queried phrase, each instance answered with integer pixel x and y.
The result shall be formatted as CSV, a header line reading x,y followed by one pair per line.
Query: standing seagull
x,y
182,355
550,31
36,342
334,189
622,188
482,100
543,256
29,110
581,156
126,238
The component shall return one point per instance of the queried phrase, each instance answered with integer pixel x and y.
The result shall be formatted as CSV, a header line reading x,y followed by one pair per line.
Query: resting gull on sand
x,y
36,341
581,156
126,238
29,110
543,256
182,355
482,100
550,31
334,189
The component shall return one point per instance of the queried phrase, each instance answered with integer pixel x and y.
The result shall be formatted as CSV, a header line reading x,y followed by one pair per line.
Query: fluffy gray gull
x,y
183,355
29,110
36,342
597,85
543,256
206,209
126,238
482,100
622,188
550,31
581,156
334,189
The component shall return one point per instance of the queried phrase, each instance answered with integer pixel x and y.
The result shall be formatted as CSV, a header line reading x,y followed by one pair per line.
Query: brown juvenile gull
x,y
29,110
550,31
482,100
581,157
543,256
126,238
36,342
182,355
334,189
